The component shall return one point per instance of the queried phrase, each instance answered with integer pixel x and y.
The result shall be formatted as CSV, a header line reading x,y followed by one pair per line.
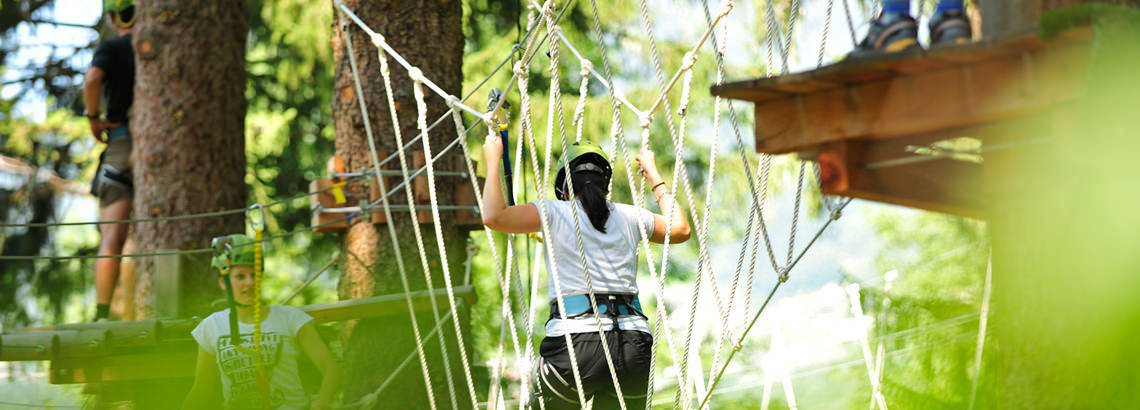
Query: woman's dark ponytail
x,y
591,188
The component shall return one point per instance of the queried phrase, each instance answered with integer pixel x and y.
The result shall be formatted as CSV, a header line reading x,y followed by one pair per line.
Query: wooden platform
x,y
163,348
859,117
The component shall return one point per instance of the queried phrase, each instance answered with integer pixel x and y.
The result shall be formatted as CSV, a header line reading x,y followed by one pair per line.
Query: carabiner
x,y
255,223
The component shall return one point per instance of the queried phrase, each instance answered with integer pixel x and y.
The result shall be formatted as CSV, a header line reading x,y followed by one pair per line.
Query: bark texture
x,y
428,34
188,122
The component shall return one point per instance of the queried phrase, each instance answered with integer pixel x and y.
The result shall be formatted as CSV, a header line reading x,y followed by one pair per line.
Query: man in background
x,y
111,78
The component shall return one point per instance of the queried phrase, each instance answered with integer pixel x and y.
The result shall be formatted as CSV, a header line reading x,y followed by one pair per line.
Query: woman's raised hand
x,y
493,148
647,161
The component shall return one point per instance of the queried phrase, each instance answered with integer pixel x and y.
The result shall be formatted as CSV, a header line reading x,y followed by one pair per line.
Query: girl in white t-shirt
x,y
610,234
231,368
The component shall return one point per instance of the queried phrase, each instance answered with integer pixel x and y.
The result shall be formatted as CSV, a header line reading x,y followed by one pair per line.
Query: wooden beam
x,y
940,185
902,94
90,341
28,346
383,305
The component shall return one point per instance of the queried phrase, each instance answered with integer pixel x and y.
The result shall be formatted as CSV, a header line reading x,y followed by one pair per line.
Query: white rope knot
x,y
452,101
587,66
416,75
521,69
646,120
688,61
783,274
547,12
378,39
725,8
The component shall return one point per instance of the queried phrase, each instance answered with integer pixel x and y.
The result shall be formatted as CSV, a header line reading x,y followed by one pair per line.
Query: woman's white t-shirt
x,y
611,259
279,352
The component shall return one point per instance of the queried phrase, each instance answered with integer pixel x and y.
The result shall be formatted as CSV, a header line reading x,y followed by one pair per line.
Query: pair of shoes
x,y
891,33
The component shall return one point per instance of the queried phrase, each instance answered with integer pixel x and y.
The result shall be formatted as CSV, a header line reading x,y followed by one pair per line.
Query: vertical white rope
x,y
555,105
391,229
510,254
522,72
421,119
385,73
983,319
583,92
857,310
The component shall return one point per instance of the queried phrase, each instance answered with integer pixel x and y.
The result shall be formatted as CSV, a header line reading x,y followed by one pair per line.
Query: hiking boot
x,y
949,27
889,33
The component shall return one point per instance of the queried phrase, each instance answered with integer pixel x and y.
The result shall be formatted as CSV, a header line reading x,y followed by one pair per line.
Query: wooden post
x,y
1009,16
167,280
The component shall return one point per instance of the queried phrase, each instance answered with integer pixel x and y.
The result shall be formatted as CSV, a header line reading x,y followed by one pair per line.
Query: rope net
x,y
695,383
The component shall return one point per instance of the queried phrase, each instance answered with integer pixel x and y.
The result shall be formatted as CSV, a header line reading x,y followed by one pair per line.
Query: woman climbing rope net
x,y
573,351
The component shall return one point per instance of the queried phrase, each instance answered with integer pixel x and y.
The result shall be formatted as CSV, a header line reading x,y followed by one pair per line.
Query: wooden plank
x,y
382,305
1015,84
748,90
326,199
28,346
83,343
465,196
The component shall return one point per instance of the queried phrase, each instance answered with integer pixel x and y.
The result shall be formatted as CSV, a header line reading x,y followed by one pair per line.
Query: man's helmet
x,y
580,156
117,6
122,12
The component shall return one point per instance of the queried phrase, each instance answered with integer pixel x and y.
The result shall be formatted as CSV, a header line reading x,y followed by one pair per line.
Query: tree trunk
x,y
428,34
188,122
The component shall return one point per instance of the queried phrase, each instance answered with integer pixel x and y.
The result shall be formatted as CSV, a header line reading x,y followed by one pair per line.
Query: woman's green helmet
x,y
579,157
232,250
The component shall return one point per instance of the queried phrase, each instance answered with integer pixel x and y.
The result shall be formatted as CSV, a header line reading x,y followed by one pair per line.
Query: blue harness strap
x,y
610,304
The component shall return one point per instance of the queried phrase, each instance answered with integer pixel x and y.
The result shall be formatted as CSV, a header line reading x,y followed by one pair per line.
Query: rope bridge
x,y
695,387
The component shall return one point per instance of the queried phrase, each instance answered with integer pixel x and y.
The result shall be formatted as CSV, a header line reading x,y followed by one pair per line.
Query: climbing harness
x,y
609,304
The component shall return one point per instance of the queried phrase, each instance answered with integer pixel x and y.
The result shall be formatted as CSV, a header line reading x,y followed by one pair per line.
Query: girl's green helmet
x,y
232,250
580,156
116,6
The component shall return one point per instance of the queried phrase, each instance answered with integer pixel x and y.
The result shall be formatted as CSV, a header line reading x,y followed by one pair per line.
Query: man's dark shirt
x,y
116,58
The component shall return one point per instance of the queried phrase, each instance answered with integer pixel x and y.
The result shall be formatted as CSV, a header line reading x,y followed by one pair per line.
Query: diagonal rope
x,y
703,259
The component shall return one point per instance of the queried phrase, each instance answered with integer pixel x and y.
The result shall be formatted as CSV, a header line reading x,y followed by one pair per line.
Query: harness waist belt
x,y
609,304
117,133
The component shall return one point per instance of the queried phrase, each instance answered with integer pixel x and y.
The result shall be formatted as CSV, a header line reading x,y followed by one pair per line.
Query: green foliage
x,y
930,312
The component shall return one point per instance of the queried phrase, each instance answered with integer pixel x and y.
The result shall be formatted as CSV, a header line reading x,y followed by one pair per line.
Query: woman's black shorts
x,y
630,350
